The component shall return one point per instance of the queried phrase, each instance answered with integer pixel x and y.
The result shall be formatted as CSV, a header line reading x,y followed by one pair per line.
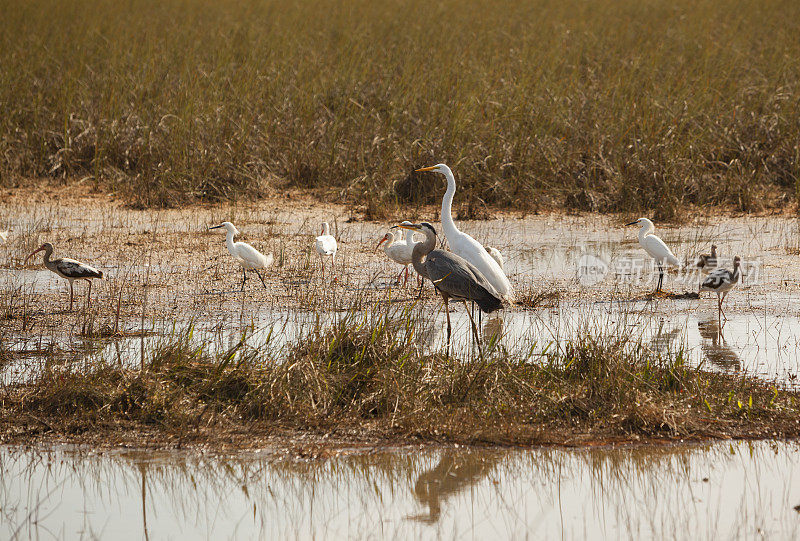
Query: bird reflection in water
x,y
714,347
454,473
493,330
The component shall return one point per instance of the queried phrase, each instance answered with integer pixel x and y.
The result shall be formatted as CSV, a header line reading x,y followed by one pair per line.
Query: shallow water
x,y
722,490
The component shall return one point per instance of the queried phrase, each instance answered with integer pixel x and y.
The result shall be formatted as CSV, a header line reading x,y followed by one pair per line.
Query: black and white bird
x,y
453,276
69,269
721,281
707,262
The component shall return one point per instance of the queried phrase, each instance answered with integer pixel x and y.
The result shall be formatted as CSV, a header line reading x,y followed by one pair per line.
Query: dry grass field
x,y
609,106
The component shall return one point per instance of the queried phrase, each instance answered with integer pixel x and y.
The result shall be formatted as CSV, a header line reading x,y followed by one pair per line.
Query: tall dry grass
x,y
608,105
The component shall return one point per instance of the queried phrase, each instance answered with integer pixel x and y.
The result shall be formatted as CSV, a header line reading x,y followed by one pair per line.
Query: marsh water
x,y
723,490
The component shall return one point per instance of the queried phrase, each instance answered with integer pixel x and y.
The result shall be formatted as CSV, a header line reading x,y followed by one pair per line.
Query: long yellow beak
x,y
431,168
410,227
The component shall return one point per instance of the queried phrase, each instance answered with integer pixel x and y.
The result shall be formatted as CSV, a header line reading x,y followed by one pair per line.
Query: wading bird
x,y
497,256
247,256
655,248
453,276
399,249
464,245
721,281
326,245
707,262
69,269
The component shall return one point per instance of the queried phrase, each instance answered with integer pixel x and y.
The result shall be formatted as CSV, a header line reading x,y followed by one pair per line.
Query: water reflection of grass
x,y
366,376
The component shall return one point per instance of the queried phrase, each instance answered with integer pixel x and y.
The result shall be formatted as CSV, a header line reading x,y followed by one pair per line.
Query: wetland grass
x,y
365,378
605,106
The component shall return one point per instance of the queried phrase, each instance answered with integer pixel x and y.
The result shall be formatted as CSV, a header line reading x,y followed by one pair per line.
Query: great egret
x,y
326,246
655,247
453,276
69,269
708,262
464,245
398,248
247,256
721,281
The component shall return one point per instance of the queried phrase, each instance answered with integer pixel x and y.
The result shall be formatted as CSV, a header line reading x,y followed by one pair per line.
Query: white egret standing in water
x,y
655,247
247,256
464,245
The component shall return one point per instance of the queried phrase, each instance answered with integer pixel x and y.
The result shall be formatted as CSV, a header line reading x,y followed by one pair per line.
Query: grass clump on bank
x,y
609,106
365,378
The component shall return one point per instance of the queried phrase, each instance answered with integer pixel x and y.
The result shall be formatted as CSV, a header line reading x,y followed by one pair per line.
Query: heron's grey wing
x,y
75,269
457,277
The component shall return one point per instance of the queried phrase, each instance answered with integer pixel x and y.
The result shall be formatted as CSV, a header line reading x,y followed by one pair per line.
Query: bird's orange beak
x,y
33,253
384,239
431,168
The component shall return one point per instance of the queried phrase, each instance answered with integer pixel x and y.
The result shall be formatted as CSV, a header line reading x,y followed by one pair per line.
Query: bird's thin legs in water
x,y
447,313
70,295
262,278
660,276
322,262
474,329
89,296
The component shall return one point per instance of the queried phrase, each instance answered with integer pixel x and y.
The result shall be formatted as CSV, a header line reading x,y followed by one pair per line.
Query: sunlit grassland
x,y
609,105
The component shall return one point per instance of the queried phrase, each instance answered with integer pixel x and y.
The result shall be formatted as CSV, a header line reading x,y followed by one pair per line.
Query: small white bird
x,y
464,245
249,258
326,245
497,256
721,281
655,247
69,269
398,248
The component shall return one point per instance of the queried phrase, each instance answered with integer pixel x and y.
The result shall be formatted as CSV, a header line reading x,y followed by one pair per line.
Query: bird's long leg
x,y
244,277
262,278
720,305
421,286
405,278
322,262
447,313
719,312
89,295
474,330
70,295
660,276
399,274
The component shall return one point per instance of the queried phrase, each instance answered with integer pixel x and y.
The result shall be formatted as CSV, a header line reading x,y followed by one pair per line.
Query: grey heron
x,y
453,276
69,269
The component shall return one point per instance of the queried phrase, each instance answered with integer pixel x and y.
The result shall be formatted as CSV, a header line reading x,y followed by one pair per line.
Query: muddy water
x,y
723,491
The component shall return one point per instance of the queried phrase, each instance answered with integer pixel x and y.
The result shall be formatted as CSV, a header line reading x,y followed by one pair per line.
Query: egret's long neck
x,y
422,249
644,231
229,241
409,237
326,229
448,225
